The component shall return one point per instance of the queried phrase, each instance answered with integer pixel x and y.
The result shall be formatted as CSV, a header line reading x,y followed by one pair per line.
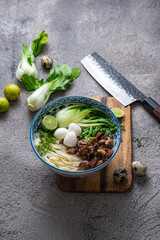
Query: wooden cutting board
x,y
103,180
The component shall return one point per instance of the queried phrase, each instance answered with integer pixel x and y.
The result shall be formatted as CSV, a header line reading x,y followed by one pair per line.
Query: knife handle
x,y
152,107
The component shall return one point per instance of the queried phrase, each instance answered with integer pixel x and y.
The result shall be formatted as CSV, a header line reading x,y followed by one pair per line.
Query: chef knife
x,y
116,84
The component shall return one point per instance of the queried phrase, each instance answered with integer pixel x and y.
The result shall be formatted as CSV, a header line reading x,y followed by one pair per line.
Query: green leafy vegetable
x,y
30,83
85,116
75,71
61,77
71,114
38,43
27,65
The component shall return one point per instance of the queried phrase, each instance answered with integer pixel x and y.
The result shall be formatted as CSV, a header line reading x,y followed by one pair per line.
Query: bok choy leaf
x,y
85,116
60,78
30,83
71,114
27,65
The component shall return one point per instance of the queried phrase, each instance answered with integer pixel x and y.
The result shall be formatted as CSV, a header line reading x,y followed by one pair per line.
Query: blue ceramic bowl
x,y
51,108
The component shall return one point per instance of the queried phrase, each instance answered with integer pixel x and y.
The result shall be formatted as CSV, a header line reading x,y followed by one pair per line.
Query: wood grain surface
x,y
103,181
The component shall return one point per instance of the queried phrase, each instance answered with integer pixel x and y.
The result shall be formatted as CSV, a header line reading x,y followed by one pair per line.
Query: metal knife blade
x,y
111,80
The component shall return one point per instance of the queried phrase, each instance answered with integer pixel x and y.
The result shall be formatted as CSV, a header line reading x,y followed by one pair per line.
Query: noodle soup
x,y
82,140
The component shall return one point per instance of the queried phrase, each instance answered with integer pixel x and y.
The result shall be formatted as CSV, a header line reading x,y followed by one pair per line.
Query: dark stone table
x,y
127,34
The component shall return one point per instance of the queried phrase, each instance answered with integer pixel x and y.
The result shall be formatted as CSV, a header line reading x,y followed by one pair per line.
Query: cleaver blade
x,y
116,84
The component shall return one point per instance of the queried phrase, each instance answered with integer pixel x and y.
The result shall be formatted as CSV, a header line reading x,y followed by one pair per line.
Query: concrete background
x,y
127,34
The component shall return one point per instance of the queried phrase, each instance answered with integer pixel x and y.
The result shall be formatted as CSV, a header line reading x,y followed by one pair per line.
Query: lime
x,y
49,123
4,104
117,112
12,92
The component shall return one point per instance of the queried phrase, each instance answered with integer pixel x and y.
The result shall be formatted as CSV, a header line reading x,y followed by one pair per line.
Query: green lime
x,y
12,92
117,112
4,104
49,123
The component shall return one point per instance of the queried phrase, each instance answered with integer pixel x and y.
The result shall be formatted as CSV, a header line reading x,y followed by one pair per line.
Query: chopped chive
x,y
102,129
46,141
139,144
84,133
90,138
122,128
91,130
107,133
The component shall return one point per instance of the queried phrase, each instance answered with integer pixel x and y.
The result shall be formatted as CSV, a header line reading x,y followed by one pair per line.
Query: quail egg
x,y
120,174
70,139
60,133
47,61
139,168
73,127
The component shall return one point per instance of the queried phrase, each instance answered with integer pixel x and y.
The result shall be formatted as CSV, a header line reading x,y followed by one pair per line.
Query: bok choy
x,y
60,78
27,65
71,114
85,116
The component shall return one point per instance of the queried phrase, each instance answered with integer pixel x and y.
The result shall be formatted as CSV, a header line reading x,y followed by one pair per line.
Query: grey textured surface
x,y
127,34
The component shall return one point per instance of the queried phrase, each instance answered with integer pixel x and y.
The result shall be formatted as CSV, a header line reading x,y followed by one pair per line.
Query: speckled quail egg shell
x,y
139,168
47,61
120,175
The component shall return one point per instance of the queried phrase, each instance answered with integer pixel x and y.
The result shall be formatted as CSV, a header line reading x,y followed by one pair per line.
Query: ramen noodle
x,y
59,157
